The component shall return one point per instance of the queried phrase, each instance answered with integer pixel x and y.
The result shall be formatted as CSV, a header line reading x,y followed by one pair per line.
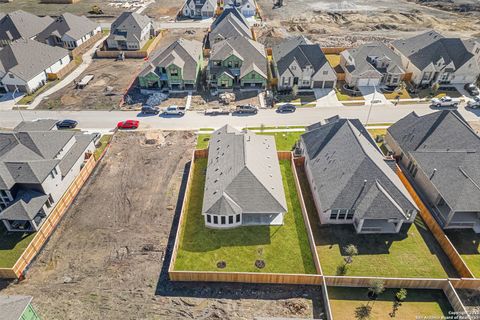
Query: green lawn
x,y
27,99
12,246
343,95
202,141
419,304
285,249
403,94
299,101
411,253
104,140
467,244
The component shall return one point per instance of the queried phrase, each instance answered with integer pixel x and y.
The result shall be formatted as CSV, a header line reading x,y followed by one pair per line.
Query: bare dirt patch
x,y
108,258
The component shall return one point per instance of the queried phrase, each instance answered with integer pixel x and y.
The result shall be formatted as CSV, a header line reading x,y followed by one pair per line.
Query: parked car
x,y
66,124
472,89
286,108
174,111
247,108
150,110
474,103
445,102
128,124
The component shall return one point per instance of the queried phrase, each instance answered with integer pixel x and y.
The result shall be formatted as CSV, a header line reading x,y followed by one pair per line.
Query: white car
x,y
445,102
474,103
174,111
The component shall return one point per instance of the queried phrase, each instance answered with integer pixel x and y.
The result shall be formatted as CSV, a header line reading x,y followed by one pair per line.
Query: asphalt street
x,y
106,120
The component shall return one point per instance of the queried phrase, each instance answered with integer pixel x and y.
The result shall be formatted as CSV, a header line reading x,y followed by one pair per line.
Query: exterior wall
x,y
215,221
468,73
253,77
223,78
149,80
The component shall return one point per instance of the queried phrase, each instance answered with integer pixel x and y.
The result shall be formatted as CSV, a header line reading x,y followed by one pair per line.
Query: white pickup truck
x,y
445,102
174,111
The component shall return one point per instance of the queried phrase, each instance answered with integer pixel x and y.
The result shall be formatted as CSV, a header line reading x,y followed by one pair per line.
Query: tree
x,y
363,312
377,286
401,294
435,88
351,251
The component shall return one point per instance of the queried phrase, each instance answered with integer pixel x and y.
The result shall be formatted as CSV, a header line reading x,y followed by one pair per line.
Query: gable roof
x,y
227,12
430,47
363,59
36,125
28,58
130,22
350,172
68,24
13,306
20,24
25,206
243,174
447,150
200,3
183,53
298,50
228,26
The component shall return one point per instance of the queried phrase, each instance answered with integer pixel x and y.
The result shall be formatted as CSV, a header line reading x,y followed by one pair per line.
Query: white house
x,y
247,7
199,9
26,64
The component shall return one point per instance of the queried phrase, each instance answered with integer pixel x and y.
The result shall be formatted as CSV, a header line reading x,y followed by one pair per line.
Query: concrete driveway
x,y
373,95
326,97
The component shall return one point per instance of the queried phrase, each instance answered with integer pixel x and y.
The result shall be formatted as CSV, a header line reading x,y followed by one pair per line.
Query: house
x,y
441,154
17,308
237,62
248,8
36,168
434,59
372,64
25,65
130,31
243,185
231,23
21,25
69,31
174,68
297,62
351,181
199,9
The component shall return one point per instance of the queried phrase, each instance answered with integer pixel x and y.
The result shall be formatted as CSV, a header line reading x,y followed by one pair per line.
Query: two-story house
x,y
433,59
199,9
372,64
298,62
36,168
248,8
441,154
174,68
351,181
237,62
229,24
130,31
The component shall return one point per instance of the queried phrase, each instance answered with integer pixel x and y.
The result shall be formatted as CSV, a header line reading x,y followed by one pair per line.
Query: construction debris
x,y
156,98
226,97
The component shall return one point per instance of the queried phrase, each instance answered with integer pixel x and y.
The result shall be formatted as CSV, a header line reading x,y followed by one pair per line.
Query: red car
x,y
128,124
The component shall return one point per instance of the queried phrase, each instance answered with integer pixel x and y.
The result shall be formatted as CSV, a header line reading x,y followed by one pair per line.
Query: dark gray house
x,y
231,23
441,153
244,184
130,31
351,181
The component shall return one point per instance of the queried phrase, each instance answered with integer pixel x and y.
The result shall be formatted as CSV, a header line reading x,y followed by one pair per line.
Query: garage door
x,y
368,82
318,84
329,84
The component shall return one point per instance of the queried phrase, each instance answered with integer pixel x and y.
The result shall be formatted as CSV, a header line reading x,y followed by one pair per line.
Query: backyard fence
x,y
137,54
417,283
333,50
78,51
455,301
42,235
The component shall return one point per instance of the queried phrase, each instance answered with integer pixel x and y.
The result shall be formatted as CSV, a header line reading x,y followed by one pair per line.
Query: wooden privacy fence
x,y
333,50
78,51
42,235
455,301
417,283
137,54
437,231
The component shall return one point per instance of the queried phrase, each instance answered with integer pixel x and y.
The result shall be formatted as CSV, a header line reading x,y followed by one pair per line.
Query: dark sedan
x,y
286,108
67,124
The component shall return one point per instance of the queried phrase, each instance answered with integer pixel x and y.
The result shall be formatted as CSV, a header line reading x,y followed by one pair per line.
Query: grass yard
x,y
202,140
27,99
299,101
467,244
403,94
419,304
285,249
12,246
413,253
428,93
343,95
104,140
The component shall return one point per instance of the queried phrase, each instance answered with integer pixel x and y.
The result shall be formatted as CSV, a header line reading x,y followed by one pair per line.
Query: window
x,y
333,214
342,214
217,63
209,218
253,75
238,218
223,219
350,214
426,75
230,219
325,72
229,64
294,68
174,72
214,77
237,65
11,76
305,82
215,219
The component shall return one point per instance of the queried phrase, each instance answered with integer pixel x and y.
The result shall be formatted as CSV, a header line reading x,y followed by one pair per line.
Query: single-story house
x,y
297,62
243,185
441,154
130,31
26,64
69,31
174,68
199,9
36,168
372,64
21,25
352,182
433,59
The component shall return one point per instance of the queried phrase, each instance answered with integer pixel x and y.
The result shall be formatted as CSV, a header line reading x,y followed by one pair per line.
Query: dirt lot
x,y
106,260
350,23
164,10
105,91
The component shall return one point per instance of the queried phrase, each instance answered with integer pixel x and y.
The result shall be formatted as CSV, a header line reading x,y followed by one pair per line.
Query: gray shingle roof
x,y
228,26
25,206
68,24
131,22
350,172
430,47
243,174
28,58
447,150
21,24
226,13
36,125
12,307
71,157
